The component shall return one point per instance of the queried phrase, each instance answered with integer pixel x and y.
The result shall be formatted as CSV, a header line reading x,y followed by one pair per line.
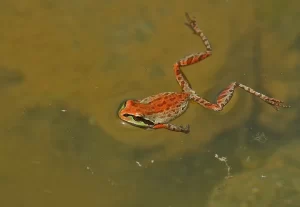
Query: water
x,y
67,66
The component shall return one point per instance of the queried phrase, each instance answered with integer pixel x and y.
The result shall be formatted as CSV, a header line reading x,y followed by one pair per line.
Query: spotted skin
x,y
158,110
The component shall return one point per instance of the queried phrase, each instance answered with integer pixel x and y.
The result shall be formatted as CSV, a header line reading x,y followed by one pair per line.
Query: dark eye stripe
x,y
140,119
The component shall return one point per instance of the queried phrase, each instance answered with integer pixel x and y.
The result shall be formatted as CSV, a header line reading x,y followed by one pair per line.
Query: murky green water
x,y
66,66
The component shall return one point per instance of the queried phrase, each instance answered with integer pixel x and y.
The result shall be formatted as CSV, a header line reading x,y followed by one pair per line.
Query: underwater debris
x,y
224,159
260,137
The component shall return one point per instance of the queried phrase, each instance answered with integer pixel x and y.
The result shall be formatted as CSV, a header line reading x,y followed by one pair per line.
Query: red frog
x,y
158,110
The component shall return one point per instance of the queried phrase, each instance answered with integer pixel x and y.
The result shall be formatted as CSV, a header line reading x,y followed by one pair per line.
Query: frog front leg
x,y
226,95
172,127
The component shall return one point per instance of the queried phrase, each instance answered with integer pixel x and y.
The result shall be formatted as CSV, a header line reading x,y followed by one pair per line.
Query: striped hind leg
x,y
193,58
227,94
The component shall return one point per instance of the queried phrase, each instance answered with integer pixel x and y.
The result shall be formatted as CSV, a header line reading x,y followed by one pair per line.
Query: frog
x,y
157,111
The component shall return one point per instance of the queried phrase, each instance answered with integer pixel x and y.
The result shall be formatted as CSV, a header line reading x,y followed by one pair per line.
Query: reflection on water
x,y
66,67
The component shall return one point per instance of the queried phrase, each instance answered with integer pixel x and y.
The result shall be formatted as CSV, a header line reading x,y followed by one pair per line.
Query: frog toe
x,y
185,129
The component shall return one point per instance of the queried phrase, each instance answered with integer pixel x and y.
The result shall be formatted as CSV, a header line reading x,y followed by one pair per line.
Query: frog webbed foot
x,y
184,129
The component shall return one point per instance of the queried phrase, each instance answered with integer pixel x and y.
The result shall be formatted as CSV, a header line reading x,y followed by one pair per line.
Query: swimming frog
x,y
158,110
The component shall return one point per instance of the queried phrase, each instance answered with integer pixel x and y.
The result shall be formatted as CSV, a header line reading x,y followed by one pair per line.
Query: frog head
x,y
130,112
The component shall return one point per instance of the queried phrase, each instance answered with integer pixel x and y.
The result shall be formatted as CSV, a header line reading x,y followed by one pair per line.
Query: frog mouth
x,y
140,119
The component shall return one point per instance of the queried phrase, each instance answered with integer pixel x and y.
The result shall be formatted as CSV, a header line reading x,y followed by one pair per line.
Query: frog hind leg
x,y
193,58
226,95
172,127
